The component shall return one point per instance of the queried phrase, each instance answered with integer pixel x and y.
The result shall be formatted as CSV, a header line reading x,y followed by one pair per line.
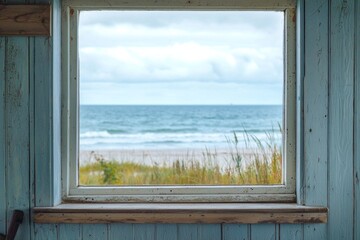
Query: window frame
x,y
196,193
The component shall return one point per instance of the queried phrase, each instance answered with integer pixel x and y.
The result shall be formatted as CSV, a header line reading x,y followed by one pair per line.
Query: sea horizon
x,y
175,126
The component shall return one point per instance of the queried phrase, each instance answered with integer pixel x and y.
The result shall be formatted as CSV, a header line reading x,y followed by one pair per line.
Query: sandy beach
x,y
164,156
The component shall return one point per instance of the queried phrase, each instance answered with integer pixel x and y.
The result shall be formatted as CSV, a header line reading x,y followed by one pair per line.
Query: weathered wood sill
x,y
181,213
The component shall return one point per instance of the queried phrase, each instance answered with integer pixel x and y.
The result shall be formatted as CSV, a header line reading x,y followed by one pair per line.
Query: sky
x,y
181,57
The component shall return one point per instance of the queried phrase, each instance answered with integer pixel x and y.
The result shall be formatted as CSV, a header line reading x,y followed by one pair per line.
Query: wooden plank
x,y
31,130
43,122
70,231
209,231
56,100
235,232
47,142
300,52
316,102
243,218
313,231
357,124
121,231
185,4
263,232
46,232
180,213
187,231
3,222
166,231
94,231
26,20
341,118
291,232
17,131
316,113
144,231
185,208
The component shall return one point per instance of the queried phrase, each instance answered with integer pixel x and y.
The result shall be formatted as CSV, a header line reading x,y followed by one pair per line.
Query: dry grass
x,y
264,166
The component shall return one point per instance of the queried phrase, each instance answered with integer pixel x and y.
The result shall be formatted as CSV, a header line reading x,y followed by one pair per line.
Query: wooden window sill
x,y
181,213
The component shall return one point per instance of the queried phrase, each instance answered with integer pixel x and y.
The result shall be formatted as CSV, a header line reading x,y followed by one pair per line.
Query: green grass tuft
x,y
264,166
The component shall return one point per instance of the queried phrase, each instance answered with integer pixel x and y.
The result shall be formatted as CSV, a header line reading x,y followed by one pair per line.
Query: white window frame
x,y
70,108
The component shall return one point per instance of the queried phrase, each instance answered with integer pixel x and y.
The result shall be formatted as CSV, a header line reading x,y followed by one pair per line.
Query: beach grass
x,y
263,166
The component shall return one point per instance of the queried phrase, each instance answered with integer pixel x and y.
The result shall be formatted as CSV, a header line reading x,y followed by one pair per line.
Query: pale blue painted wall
x,y
328,172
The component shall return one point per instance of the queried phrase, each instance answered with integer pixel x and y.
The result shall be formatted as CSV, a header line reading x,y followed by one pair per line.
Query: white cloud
x,y
201,55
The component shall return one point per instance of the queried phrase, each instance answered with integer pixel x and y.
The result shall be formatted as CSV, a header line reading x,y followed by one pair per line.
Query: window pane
x,y
181,97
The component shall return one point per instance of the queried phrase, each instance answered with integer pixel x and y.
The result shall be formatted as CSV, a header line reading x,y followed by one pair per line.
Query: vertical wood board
x,y
166,231
263,232
120,231
235,232
94,231
315,231
43,119
316,87
56,96
17,131
316,102
357,124
187,231
144,231
209,231
46,232
291,232
69,232
341,120
32,130
3,222
300,49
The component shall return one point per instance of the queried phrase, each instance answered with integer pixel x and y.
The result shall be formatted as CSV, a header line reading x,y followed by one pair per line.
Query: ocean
x,y
174,126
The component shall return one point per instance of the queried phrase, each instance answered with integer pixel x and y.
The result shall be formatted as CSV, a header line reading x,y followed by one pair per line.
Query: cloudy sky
x,y
181,57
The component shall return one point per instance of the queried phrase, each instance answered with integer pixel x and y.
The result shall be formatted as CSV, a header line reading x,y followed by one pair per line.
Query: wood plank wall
x,y
29,136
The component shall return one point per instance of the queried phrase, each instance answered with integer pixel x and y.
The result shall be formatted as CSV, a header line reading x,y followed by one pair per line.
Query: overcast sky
x,y
181,57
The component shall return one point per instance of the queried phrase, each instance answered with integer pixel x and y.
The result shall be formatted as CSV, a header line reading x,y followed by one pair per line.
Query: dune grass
x,y
264,166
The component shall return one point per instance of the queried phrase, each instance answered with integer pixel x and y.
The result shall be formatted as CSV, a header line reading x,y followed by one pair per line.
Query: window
x,y
82,60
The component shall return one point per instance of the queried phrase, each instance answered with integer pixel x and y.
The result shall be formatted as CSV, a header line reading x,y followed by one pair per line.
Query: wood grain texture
x,y
357,125
56,100
121,231
46,232
25,20
291,232
300,67
3,222
94,232
316,102
209,231
180,213
17,131
263,232
316,113
47,115
144,231
70,231
235,232
32,129
341,114
43,138
187,231
166,231
186,4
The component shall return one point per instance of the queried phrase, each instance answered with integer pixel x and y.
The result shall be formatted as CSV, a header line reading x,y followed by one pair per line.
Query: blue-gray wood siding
x,y
329,166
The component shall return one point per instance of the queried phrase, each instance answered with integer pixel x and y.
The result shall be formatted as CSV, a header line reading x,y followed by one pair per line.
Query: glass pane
x,y
181,97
